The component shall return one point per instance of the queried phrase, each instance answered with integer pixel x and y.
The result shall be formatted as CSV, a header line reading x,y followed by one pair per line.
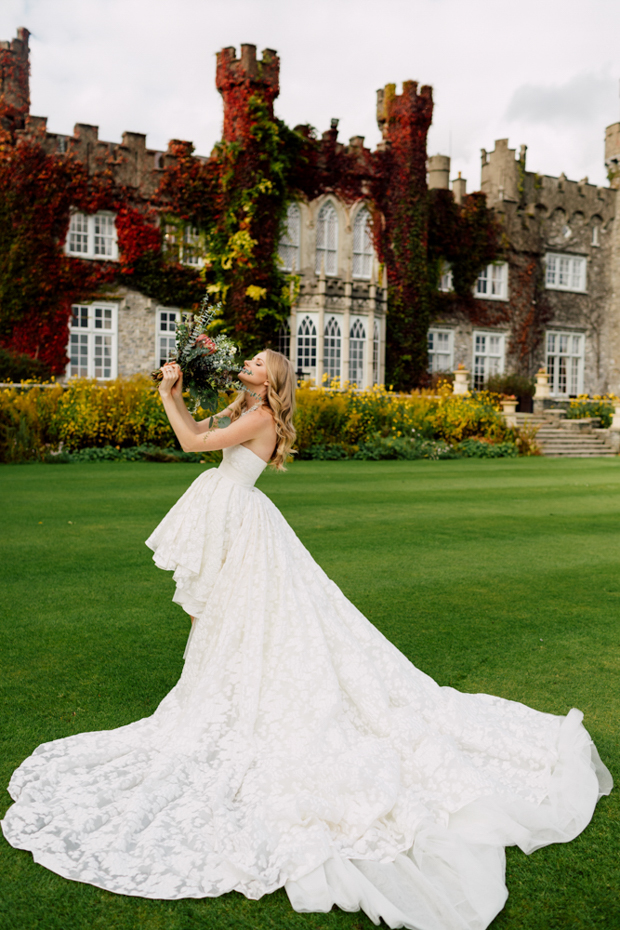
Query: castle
x,y
557,292
553,300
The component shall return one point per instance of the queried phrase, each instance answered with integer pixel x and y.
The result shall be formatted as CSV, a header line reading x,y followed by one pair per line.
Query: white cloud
x,y
583,99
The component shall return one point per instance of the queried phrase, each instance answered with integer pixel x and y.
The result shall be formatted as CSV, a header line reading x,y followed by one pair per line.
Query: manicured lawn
x,y
498,576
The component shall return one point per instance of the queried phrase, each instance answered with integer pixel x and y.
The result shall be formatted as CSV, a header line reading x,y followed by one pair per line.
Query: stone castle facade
x,y
553,300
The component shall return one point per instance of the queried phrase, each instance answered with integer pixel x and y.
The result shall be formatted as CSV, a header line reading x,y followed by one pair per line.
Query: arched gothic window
x,y
332,349
288,248
327,240
375,353
363,252
284,339
306,347
357,340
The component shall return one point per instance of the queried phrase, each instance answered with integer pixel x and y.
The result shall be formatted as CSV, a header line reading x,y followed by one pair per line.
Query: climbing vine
x,y
237,202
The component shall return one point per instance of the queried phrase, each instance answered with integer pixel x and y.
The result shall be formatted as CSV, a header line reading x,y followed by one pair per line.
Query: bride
x,y
299,748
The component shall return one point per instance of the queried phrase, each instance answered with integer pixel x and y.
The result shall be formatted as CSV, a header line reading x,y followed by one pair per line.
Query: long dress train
x,y
301,749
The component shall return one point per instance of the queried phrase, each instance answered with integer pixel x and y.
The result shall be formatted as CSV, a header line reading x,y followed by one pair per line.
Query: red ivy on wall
x,y
238,199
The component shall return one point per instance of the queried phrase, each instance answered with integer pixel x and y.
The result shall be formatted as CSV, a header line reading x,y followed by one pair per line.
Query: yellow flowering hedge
x,y
349,417
128,412
599,405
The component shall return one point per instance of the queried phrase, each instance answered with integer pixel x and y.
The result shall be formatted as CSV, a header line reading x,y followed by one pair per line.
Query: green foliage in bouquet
x,y
208,363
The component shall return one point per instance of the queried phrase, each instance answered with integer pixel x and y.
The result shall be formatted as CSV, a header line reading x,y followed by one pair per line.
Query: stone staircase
x,y
559,437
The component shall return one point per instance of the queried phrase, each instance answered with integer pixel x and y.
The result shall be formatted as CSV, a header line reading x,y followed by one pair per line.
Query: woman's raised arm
x,y
191,435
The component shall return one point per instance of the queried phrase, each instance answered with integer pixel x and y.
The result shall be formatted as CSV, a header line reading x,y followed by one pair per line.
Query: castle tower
x,y
15,81
438,172
238,79
404,120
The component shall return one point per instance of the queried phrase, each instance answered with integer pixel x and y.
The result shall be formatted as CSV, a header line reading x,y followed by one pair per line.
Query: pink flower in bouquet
x,y
207,342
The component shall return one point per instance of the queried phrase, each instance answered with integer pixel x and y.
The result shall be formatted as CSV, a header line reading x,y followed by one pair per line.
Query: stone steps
x,y
568,442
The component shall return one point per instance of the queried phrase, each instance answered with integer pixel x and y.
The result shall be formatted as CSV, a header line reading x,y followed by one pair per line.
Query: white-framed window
x,y
92,236
332,349
492,283
327,240
288,247
488,357
376,343
192,247
445,278
284,339
565,272
565,363
92,346
306,347
357,341
440,350
166,334
363,252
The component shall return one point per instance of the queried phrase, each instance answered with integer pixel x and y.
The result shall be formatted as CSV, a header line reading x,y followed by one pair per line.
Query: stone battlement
x,y
504,178
15,79
248,69
407,107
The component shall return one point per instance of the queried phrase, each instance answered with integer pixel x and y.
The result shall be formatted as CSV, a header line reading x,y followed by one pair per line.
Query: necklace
x,y
255,407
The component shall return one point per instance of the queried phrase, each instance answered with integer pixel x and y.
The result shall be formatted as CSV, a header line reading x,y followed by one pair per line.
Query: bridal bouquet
x,y
208,363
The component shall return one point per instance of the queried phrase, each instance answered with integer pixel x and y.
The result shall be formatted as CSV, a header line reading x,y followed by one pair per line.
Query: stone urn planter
x,y
509,409
461,381
542,395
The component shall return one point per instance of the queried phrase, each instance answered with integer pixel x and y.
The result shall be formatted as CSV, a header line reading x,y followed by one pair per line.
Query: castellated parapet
x,y
408,111
15,79
237,79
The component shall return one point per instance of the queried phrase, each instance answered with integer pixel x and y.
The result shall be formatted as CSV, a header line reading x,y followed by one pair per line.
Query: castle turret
x,y
404,120
501,172
238,79
438,167
15,81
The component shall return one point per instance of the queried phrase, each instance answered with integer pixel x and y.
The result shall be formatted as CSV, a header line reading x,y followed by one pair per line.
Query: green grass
x,y
498,576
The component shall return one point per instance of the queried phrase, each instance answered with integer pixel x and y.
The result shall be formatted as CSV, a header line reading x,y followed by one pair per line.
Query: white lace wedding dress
x,y
300,749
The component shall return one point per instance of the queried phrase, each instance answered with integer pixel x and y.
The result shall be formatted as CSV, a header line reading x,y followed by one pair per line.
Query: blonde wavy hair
x,y
280,399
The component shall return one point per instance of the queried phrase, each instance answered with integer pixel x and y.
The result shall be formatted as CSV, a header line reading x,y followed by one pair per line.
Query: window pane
x,y
375,353
362,245
78,352
78,234
332,349
105,235
103,357
306,346
327,240
166,347
288,248
284,339
79,317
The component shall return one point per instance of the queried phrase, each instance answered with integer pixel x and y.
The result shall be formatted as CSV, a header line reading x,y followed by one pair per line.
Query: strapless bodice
x,y
241,466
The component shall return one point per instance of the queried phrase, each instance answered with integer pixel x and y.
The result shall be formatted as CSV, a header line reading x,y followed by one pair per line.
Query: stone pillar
x,y
461,381
370,338
614,430
612,163
509,409
346,325
320,336
459,189
542,394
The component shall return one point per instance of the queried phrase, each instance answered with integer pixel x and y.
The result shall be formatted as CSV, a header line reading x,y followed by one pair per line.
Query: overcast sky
x,y
540,72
